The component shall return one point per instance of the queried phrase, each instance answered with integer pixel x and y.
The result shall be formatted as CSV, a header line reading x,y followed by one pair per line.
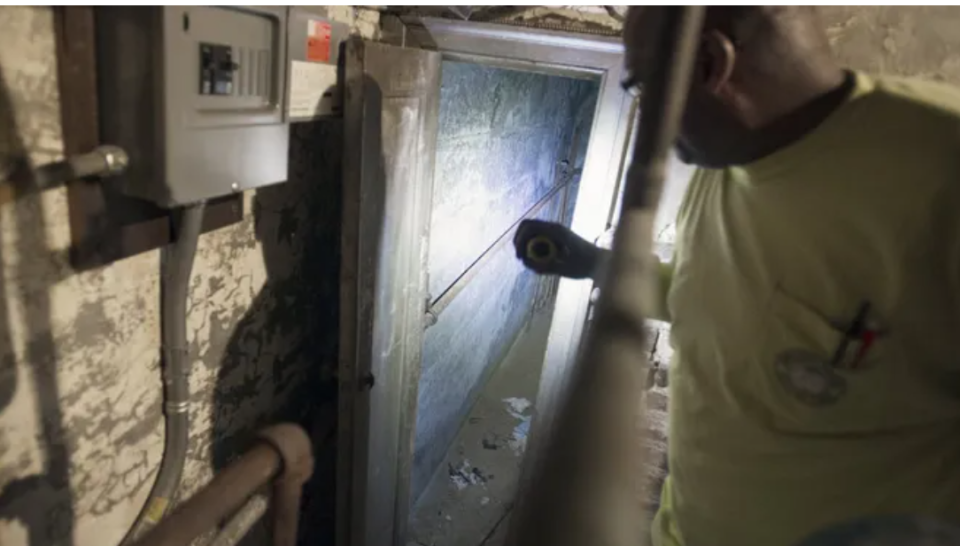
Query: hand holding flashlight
x,y
549,248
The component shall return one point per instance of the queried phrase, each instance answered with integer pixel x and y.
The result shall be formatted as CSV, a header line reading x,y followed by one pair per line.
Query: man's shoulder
x,y
934,101
907,117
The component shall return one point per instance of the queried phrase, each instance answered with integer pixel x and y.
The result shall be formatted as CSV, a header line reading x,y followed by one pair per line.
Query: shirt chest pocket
x,y
813,381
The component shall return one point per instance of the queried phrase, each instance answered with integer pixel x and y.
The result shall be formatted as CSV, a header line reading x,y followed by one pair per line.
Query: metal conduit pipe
x,y
176,265
104,161
589,486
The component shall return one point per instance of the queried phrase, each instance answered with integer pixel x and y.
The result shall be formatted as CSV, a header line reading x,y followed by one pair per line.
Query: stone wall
x,y
81,430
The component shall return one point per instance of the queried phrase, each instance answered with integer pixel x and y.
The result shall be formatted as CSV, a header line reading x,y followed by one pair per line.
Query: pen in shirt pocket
x,y
857,330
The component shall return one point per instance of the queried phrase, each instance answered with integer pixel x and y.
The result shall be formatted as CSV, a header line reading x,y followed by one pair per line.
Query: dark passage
x,y
511,145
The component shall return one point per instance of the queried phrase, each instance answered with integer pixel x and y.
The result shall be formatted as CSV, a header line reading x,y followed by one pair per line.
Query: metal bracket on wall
x,y
405,31
106,226
393,31
417,35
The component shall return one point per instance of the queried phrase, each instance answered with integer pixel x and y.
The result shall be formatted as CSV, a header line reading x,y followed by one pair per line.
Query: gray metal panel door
x,y
391,105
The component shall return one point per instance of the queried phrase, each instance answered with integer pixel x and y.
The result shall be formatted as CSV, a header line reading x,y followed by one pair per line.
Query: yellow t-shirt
x,y
775,432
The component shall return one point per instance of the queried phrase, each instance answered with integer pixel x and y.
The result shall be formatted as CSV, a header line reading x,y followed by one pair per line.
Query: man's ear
x,y
718,60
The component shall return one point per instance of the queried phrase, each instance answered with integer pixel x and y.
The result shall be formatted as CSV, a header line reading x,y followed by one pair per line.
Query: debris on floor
x,y
476,484
467,475
518,443
517,406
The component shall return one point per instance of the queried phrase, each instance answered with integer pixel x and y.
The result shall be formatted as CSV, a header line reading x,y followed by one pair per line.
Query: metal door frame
x,y
556,53
382,286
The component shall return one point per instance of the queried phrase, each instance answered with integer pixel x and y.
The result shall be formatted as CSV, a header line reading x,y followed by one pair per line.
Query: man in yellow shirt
x,y
814,293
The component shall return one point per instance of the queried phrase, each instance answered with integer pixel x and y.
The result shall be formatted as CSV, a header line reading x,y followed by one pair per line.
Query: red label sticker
x,y
318,41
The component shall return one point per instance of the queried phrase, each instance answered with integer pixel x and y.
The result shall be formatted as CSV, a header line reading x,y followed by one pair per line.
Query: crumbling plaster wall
x,y
80,392
584,18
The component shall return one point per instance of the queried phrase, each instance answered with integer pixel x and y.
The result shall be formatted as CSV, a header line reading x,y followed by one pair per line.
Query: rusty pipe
x,y
588,488
281,455
293,445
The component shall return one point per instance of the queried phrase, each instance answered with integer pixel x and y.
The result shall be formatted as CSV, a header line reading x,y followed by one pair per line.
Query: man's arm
x,y
661,311
666,278
549,248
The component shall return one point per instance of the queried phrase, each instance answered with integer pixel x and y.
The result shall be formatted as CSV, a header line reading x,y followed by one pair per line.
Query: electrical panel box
x,y
196,96
313,49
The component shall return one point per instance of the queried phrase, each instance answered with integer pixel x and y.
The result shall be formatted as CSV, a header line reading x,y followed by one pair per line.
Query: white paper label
x,y
312,89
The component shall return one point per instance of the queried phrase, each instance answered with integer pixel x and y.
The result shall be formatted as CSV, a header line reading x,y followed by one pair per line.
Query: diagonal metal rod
x,y
588,489
439,304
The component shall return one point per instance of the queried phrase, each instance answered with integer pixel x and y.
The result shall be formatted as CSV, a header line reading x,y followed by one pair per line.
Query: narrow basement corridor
x,y
469,499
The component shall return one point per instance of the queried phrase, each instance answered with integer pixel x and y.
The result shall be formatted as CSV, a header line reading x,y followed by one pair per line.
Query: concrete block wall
x,y
80,419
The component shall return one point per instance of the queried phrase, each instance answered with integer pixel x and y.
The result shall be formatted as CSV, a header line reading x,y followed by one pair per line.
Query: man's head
x,y
754,65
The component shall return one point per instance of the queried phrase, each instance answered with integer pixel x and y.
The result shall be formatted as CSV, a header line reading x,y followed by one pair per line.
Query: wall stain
x,y
214,285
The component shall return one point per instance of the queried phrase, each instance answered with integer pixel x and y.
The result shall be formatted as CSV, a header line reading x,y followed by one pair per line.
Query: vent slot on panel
x,y
265,75
254,73
246,61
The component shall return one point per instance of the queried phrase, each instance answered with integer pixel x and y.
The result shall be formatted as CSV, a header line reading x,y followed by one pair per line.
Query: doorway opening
x,y
511,145
535,124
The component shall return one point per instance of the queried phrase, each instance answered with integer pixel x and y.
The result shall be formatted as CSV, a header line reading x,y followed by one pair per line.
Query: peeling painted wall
x,y
585,19
80,424
906,41
589,19
503,135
